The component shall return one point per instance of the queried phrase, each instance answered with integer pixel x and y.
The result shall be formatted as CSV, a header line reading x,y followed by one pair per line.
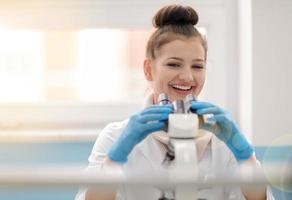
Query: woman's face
x,y
178,69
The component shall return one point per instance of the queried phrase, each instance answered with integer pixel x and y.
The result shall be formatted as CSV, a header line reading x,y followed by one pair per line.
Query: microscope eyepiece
x,y
188,102
190,97
178,106
163,99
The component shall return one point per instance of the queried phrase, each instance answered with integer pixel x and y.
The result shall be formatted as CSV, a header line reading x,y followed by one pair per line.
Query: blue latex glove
x,y
139,127
225,129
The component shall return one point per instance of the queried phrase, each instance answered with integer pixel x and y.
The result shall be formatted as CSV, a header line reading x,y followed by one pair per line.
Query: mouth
x,y
182,89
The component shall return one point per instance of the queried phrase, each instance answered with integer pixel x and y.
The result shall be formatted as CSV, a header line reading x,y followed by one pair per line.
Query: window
x,y
95,65
110,65
21,66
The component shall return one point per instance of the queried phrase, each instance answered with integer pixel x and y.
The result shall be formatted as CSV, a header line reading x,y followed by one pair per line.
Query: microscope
x,y
182,128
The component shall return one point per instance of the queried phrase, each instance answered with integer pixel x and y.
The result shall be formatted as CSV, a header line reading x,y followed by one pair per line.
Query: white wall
x,y
272,71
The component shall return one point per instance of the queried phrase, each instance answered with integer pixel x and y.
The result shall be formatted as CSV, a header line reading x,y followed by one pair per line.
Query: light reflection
x,y
21,65
103,58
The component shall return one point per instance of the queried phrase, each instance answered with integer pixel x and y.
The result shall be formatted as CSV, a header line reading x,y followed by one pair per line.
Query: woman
x,y
175,64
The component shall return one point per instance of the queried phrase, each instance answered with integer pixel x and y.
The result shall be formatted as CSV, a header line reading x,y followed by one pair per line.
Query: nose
x,y
186,74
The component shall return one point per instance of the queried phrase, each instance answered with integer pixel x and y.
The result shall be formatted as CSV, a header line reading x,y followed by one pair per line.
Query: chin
x,y
177,97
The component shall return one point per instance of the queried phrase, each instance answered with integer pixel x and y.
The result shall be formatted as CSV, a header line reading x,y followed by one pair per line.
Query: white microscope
x,y
181,158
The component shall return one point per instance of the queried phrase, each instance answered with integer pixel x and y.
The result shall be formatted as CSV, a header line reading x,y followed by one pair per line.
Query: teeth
x,y
181,87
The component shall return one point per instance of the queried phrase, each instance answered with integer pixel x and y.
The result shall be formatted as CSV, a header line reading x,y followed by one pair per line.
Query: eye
x,y
173,64
198,66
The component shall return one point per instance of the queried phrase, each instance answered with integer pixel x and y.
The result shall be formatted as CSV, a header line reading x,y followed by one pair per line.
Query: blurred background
x,y
68,67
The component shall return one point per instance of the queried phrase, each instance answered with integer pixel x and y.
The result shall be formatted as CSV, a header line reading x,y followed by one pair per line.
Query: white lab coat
x,y
148,155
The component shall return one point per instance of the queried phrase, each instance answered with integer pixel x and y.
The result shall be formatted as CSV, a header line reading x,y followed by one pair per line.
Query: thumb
x,y
209,124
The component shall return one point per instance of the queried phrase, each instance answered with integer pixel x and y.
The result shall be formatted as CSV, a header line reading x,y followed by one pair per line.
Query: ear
x,y
148,69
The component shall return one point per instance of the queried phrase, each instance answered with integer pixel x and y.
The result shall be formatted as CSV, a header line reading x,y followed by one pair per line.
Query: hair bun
x,y
175,15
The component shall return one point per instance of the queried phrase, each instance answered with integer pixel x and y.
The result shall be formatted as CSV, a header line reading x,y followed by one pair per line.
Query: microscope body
x,y
182,129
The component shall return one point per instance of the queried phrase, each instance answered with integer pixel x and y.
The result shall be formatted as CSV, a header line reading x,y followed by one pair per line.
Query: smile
x,y
181,87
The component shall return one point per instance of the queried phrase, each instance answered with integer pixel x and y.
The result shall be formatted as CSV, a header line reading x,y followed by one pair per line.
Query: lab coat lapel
x,y
151,152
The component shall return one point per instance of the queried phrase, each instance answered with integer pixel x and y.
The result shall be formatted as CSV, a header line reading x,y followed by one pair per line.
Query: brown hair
x,y
173,22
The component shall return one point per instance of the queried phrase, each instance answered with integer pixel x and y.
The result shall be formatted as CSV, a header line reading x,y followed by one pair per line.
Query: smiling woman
x,y
182,63
175,65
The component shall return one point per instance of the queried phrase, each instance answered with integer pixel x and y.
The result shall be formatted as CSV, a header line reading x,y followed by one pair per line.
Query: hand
x,y
225,129
139,127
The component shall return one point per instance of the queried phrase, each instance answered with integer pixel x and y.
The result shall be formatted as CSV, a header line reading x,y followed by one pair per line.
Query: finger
x,y
152,127
152,117
210,110
206,126
210,123
222,121
211,127
218,118
157,109
199,105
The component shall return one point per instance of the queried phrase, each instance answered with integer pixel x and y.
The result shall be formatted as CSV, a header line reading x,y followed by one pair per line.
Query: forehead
x,y
191,48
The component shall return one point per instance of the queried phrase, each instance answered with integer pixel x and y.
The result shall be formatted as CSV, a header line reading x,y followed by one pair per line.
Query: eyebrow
x,y
180,59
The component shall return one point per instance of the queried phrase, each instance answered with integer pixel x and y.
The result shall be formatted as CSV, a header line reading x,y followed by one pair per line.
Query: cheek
x,y
200,78
161,80
161,85
200,81
163,77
